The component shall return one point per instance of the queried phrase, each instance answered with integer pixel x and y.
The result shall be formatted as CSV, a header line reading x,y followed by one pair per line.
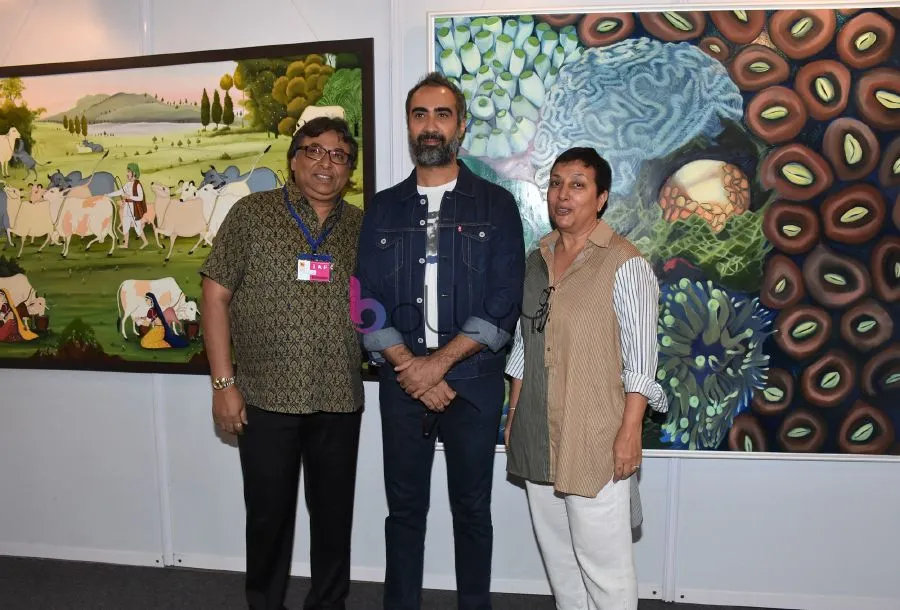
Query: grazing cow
x,y
132,299
21,292
28,220
98,183
83,217
93,147
27,161
184,219
7,146
259,179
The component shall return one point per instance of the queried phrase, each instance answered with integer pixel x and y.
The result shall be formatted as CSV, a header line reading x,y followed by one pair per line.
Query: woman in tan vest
x,y
583,369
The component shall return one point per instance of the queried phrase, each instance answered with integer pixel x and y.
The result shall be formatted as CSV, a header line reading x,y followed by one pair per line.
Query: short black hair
x,y
436,79
317,127
589,158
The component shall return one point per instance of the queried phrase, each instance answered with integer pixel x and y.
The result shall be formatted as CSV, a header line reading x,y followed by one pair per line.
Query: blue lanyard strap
x,y
313,243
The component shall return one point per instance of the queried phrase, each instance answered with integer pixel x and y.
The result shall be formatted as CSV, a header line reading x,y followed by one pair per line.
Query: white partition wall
x,y
128,468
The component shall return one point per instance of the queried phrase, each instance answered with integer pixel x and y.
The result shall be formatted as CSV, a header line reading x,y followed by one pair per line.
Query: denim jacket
x,y
481,269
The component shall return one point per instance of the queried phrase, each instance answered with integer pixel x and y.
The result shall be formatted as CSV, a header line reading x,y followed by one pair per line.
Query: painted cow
x,y
21,291
91,216
218,202
98,183
259,179
183,219
132,300
28,219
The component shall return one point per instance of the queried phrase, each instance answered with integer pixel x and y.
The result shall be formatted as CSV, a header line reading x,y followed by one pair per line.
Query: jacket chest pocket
x,y
389,250
476,241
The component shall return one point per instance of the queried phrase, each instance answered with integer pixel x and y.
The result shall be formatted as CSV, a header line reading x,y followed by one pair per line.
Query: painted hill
x,y
129,108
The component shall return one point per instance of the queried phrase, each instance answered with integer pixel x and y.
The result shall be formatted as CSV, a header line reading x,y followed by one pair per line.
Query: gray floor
x,y
43,584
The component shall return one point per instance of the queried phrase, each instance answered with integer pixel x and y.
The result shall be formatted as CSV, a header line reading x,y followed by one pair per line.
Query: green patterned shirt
x,y
296,349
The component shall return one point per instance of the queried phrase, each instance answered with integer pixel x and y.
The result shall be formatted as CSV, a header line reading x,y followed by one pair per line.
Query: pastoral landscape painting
x,y
756,165
116,174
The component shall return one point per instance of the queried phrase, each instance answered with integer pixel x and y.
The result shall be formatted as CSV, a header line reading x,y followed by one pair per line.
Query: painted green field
x,y
85,284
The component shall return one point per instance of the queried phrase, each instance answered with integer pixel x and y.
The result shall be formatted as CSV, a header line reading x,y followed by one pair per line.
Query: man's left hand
x,y
418,375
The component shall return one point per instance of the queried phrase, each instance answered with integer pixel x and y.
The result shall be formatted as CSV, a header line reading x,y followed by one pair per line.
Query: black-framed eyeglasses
x,y
539,321
316,152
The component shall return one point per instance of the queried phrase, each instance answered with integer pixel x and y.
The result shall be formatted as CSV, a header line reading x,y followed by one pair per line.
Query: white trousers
x,y
586,546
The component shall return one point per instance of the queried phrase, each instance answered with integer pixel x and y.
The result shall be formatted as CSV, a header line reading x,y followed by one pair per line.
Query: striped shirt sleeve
x,y
515,365
636,301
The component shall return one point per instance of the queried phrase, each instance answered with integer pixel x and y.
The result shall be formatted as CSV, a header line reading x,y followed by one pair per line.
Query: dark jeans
x,y
468,429
272,448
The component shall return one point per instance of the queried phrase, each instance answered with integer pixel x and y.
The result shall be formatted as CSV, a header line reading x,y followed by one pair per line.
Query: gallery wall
x,y
128,468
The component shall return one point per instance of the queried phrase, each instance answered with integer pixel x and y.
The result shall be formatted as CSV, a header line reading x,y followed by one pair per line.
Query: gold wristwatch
x,y
220,383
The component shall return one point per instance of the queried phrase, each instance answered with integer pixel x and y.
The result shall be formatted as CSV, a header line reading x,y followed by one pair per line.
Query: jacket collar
x,y
465,183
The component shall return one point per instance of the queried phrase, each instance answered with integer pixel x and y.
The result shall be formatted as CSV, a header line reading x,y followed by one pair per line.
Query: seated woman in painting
x,y
12,327
160,335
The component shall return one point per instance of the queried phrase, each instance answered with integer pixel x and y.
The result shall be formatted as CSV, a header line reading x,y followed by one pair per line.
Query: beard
x,y
433,155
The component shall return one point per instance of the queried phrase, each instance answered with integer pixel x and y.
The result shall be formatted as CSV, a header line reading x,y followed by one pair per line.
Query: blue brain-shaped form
x,y
635,100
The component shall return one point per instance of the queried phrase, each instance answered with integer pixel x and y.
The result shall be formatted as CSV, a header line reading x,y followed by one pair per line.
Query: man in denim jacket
x,y
443,254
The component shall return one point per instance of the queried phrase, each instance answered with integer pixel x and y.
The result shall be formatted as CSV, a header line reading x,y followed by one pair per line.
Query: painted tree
x,y
65,122
226,82
204,109
83,125
216,108
228,110
11,89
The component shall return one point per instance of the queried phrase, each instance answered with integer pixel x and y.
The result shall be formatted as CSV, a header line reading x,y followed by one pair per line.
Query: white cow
x,y
217,203
7,147
28,219
132,302
184,219
20,290
83,217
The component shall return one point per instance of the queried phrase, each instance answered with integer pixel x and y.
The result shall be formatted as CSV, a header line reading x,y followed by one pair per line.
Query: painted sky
x,y
60,92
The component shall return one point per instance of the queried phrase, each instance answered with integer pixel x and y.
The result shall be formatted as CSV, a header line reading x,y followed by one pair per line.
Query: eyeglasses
x,y
539,321
316,152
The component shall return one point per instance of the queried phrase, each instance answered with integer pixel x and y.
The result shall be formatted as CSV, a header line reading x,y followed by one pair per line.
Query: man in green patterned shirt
x,y
276,286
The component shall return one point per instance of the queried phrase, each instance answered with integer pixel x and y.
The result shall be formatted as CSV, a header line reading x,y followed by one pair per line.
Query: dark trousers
x,y
272,448
468,428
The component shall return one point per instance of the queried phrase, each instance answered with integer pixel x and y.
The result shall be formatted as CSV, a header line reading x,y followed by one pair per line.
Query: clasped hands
x,y
422,377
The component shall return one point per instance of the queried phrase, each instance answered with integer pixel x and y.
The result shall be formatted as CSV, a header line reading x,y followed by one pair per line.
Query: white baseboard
x,y
49,551
789,601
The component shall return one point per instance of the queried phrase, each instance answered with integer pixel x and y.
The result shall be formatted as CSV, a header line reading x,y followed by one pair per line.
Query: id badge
x,y
314,267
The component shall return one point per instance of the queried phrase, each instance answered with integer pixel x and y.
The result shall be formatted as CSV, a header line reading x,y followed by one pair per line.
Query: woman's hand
x,y
627,451
510,414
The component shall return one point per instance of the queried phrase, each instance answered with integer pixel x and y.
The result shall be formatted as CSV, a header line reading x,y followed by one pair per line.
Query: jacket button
x,y
481,234
421,340
421,223
383,240
421,261
423,201
419,300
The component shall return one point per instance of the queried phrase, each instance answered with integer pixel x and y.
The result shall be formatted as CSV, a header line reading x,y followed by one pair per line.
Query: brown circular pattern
x,y
824,86
889,171
865,41
878,98
741,27
803,432
591,37
673,26
776,115
715,47
782,284
854,215
746,434
835,281
852,149
799,41
777,396
791,228
756,67
796,172
801,331
865,429
897,212
893,12
881,374
559,20
886,269
866,326
827,381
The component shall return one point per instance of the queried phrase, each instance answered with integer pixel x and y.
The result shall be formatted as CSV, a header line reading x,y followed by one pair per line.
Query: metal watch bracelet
x,y
220,383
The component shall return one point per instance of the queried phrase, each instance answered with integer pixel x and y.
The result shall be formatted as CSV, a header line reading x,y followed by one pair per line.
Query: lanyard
x,y
313,243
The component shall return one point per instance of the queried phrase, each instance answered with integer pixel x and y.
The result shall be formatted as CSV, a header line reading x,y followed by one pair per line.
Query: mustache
x,y
420,139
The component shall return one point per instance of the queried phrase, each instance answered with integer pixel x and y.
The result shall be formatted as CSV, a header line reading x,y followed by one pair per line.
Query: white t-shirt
x,y
434,194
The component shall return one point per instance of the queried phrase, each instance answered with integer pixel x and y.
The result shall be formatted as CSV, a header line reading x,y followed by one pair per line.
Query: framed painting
x,y
93,156
756,165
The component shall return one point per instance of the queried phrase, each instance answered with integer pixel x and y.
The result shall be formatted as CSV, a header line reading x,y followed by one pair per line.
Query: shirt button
x,y
421,223
421,261
421,340
548,349
383,240
419,300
